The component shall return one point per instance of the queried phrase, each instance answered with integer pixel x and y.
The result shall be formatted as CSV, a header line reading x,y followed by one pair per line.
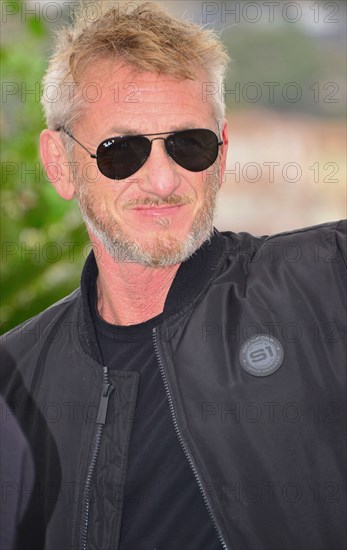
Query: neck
x,y
129,293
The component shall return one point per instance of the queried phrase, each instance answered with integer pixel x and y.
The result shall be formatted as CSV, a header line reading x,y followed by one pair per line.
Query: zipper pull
x,y
103,405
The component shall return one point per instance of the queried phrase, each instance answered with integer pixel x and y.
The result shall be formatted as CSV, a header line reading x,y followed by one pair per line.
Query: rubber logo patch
x,y
261,355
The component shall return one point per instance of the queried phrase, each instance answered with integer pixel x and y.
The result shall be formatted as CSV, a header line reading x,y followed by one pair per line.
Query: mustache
x,y
173,200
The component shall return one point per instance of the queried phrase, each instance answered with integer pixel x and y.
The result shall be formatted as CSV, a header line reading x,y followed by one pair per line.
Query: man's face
x,y
163,213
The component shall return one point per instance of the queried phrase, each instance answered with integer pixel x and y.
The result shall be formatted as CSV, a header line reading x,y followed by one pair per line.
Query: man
x,y
197,377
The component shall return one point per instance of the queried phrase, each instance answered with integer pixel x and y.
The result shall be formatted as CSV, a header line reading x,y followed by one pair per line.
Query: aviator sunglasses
x,y
120,157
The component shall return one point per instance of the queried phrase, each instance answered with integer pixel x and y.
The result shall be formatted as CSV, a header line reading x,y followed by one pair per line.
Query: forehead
x,y
118,97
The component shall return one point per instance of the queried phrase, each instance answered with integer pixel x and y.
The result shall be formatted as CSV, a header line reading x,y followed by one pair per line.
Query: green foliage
x,y
42,235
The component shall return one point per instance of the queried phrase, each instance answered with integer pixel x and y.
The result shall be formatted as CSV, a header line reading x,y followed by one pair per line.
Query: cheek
x,y
104,193
196,181
201,186
90,174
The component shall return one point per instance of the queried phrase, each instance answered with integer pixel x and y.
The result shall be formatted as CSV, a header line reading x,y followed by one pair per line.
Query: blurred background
x,y
285,95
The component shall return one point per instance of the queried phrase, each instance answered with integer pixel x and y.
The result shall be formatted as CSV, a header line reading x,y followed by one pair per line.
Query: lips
x,y
157,210
166,207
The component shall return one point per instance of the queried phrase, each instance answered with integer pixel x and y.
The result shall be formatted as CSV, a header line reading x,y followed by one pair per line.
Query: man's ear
x,y
56,163
224,149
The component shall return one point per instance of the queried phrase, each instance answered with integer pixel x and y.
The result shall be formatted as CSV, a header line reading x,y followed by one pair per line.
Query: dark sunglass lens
x,y
120,157
194,150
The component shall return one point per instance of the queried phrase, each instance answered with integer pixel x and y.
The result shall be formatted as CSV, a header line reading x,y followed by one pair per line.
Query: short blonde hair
x,y
146,37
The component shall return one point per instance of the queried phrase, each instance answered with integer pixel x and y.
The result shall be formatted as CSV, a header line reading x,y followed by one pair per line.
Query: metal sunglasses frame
x,y
94,156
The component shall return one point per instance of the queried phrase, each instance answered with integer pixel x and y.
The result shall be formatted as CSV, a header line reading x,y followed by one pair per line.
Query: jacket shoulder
x,y
336,229
32,329
328,238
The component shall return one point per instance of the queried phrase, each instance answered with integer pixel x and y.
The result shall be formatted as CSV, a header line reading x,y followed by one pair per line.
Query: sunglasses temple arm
x,y
220,142
79,143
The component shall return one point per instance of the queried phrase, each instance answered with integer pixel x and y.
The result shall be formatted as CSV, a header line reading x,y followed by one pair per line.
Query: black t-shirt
x,y
163,507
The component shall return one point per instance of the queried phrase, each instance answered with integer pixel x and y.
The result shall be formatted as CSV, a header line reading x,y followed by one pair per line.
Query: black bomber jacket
x,y
252,356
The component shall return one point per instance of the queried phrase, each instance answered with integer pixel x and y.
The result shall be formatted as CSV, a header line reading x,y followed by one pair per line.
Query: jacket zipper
x,y
100,420
180,439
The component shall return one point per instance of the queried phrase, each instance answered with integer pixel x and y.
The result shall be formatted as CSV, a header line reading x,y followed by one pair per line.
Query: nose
x,y
159,175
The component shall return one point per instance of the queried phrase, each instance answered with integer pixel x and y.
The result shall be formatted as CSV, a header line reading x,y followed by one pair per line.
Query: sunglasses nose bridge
x,y
157,138
160,139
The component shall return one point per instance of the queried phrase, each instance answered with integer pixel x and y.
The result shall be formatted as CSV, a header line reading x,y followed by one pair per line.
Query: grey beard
x,y
122,249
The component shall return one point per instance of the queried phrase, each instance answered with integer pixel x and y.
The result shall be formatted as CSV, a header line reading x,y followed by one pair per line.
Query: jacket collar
x,y
191,278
